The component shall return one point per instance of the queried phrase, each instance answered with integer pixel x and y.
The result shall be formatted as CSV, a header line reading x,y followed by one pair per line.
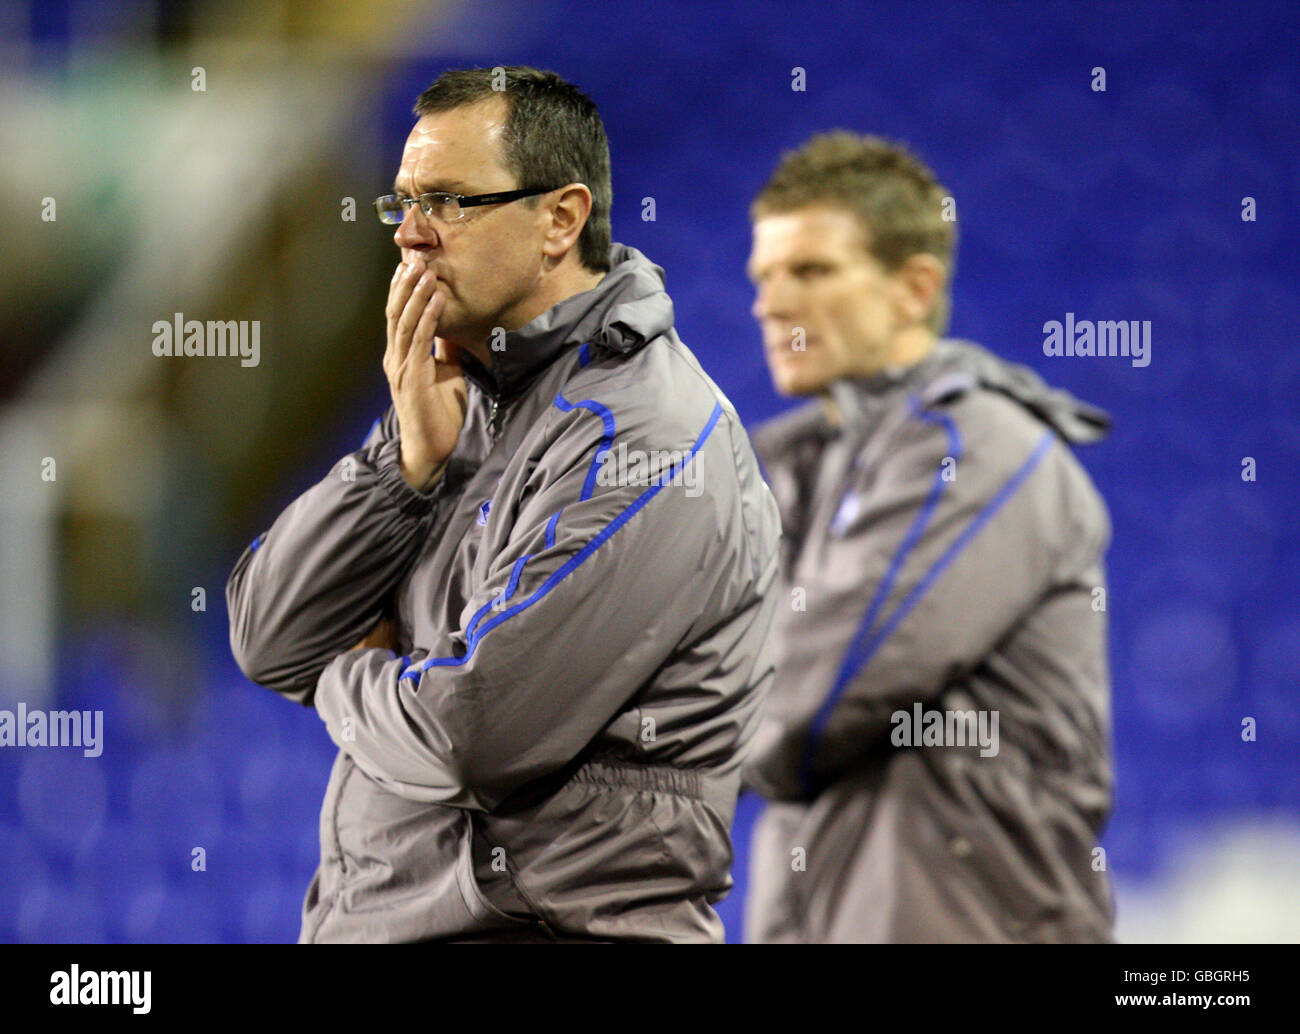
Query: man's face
x,y
489,262
812,273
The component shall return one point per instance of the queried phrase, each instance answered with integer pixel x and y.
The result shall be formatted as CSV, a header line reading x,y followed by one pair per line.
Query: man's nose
x,y
772,299
415,231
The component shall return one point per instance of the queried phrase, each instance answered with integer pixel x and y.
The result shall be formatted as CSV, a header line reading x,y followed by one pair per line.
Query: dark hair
x,y
553,136
895,197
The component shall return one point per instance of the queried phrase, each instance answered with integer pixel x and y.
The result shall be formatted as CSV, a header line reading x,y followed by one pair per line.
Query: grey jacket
x,y
583,602
942,552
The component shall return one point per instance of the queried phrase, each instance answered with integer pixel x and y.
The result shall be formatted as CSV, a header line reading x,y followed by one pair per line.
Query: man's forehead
x,y
455,149
808,232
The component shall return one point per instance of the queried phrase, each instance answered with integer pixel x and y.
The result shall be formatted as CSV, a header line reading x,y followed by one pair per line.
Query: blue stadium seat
x,y
63,795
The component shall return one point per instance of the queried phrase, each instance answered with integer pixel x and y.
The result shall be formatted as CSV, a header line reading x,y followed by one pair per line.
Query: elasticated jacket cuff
x,y
389,472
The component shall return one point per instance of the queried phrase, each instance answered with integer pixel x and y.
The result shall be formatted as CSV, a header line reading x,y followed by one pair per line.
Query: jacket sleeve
x,y
947,544
595,587
318,580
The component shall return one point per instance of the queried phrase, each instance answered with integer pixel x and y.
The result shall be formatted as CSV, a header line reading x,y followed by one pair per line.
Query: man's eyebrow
x,y
450,186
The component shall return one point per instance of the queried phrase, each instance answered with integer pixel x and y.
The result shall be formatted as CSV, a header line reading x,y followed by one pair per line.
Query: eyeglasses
x,y
443,206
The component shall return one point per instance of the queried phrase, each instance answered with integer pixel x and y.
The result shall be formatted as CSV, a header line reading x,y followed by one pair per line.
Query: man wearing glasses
x,y
541,670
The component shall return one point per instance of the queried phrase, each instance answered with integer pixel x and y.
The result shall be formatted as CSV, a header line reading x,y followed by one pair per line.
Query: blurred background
x,y
218,159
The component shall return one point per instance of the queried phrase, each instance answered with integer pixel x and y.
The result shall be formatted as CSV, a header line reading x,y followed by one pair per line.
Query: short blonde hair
x,y
895,197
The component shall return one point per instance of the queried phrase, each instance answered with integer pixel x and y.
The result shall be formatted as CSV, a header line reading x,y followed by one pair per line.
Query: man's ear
x,y
568,215
921,280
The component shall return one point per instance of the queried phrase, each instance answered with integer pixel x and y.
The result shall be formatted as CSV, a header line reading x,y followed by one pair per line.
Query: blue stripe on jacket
x,y
853,663
473,638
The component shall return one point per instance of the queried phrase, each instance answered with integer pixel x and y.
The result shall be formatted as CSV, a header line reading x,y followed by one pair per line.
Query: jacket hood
x,y
956,365
628,308
1076,421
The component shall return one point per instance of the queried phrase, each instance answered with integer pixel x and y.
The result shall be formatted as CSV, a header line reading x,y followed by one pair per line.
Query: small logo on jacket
x,y
850,507
484,509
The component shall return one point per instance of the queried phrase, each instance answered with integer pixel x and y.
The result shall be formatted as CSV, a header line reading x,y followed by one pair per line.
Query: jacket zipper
x,y
513,874
497,411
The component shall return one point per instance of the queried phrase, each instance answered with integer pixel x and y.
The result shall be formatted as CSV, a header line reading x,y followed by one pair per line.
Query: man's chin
x,y
795,385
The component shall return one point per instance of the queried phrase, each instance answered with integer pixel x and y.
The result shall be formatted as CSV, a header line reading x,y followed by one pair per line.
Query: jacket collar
x,y
861,401
954,366
628,308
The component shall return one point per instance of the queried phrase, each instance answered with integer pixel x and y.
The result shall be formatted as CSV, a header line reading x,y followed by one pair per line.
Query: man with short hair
x,y
935,748
541,666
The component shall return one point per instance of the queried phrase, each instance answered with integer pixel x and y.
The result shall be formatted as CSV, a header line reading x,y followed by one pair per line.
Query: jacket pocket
x,y
478,904
395,870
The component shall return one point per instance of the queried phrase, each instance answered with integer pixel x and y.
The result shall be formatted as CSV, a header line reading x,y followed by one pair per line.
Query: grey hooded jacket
x,y
942,553
583,601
